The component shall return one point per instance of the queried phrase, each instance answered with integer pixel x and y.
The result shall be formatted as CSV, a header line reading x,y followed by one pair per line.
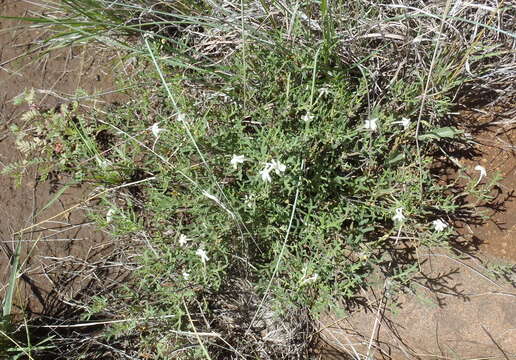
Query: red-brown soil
x,y
456,311
69,240
496,138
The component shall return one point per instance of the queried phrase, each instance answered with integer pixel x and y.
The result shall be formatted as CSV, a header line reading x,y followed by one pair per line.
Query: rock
x,y
456,311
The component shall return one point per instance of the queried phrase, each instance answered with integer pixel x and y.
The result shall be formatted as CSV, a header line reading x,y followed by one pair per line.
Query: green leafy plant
x,y
281,163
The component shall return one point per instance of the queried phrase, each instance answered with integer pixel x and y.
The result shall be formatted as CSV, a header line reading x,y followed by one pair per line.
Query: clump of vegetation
x,y
271,157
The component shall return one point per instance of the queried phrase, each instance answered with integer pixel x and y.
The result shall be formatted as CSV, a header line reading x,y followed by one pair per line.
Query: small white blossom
x,y
186,275
249,201
311,279
399,215
202,254
278,167
156,130
439,225
109,215
183,240
237,159
405,122
265,173
371,124
482,171
307,117
181,117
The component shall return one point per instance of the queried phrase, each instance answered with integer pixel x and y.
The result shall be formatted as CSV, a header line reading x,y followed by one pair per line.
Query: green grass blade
x,y
8,300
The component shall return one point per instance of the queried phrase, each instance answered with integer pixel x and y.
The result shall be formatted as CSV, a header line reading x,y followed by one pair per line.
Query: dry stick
x,y
17,345
71,98
494,342
22,55
339,343
63,74
96,323
377,320
327,326
197,334
114,349
427,85
70,209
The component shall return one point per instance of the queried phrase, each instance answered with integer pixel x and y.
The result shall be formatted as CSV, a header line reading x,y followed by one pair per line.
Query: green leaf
x,y
8,299
395,157
448,132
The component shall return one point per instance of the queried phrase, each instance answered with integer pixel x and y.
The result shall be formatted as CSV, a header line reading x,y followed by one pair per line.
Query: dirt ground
x,y
496,138
460,310
66,239
455,311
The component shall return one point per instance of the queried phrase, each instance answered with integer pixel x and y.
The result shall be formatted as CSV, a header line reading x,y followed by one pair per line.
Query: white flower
x,y
278,167
109,215
405,122
237,159
186,275
202,254
265,173
183,240
324,91
249,201
439,225
311,279
399,215
482,170
307,117
156,130
181,117
371,124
